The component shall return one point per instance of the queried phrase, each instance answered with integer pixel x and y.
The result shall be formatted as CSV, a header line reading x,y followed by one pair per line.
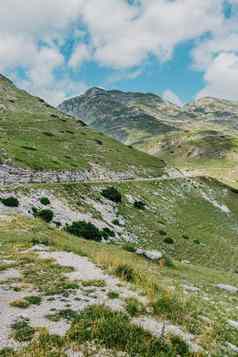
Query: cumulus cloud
x,y
222,77
120,34
170,96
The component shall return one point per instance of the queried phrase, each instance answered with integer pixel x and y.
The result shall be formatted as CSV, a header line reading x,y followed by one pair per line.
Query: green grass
x,y
113,330
37,136
161,285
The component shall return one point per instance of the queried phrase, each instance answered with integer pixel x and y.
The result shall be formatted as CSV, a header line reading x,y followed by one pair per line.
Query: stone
x,y
228,288
150,254
191,288
233,324
232,347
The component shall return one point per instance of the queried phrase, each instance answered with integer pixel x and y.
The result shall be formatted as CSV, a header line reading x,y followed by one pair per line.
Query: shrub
x,y
162,233
139,205
196,241
46,215
134,307
129,247
125,272
116,222
85,230
107,233
169,240
45,201
112,194
10,201
23,332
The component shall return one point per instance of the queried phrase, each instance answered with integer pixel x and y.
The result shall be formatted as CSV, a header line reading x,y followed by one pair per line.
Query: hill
x,y
201,135
36,136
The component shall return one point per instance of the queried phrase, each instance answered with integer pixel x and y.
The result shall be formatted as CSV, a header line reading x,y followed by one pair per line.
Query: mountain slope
x,y
37,136
128,117
200,135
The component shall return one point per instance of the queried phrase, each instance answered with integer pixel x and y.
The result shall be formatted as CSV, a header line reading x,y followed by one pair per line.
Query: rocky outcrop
x,y
12,175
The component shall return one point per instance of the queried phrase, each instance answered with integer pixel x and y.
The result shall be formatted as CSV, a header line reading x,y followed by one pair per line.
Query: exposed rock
x,y
232,347
191,288
2,108
228,288
150,254
233,324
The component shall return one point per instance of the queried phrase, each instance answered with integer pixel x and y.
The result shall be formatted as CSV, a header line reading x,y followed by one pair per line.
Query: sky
x,y
179,49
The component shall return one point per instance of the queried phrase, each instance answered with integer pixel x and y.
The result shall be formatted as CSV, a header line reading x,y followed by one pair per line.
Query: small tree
x,y
84,230
46,215
10,201
45,201
112,194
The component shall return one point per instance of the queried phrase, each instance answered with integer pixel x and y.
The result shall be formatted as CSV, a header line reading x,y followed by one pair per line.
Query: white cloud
x,y
222,77
170,96
119,35
149,27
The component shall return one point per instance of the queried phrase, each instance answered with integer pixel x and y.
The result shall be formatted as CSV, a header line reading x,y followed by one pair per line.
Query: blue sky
x,y
180,49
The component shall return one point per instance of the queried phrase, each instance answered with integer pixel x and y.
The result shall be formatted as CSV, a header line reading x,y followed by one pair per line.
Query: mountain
x,y
202,135
34,135
128,117
136,259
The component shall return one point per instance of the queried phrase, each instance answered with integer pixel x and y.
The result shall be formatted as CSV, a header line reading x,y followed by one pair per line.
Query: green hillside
x,y
37,136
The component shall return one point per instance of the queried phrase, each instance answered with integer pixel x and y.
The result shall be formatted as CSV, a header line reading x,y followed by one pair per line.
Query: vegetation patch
x,y
113,295
112,194
97,283
45,201
84,230
134,307
125,272
139,205
113,330
46,215
10,201
22,330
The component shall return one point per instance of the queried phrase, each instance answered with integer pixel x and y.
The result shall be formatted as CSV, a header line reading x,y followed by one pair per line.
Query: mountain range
x,y
201,135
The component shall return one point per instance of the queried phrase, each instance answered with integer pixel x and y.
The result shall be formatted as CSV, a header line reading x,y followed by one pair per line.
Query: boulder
x,y
228,288
150,254
233,324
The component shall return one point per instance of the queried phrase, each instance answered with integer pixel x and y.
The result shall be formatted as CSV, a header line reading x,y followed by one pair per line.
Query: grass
x,y
113,330
113,295
161,285
22,331
68,143
96,283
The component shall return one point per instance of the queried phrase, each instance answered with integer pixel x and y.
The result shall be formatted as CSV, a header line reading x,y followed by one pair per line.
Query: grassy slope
x,y
37,136
157,283
202,232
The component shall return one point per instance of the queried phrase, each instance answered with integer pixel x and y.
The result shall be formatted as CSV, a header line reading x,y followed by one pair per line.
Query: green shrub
x,y
46,215
125,272
134,307
23,332
169,240
139,205
129,247
107,233
84,230
112,194
10,201
113,330
196,241
45,201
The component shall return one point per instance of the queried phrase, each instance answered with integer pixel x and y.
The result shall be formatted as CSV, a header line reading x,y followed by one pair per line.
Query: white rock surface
x,y
228,288
150,254
233,324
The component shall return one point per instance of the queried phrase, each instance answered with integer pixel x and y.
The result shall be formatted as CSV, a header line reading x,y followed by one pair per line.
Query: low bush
x,y
139,205
125,272
84,230
23,332
112,194
168,240
45,201
10,201
46,215
129,247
